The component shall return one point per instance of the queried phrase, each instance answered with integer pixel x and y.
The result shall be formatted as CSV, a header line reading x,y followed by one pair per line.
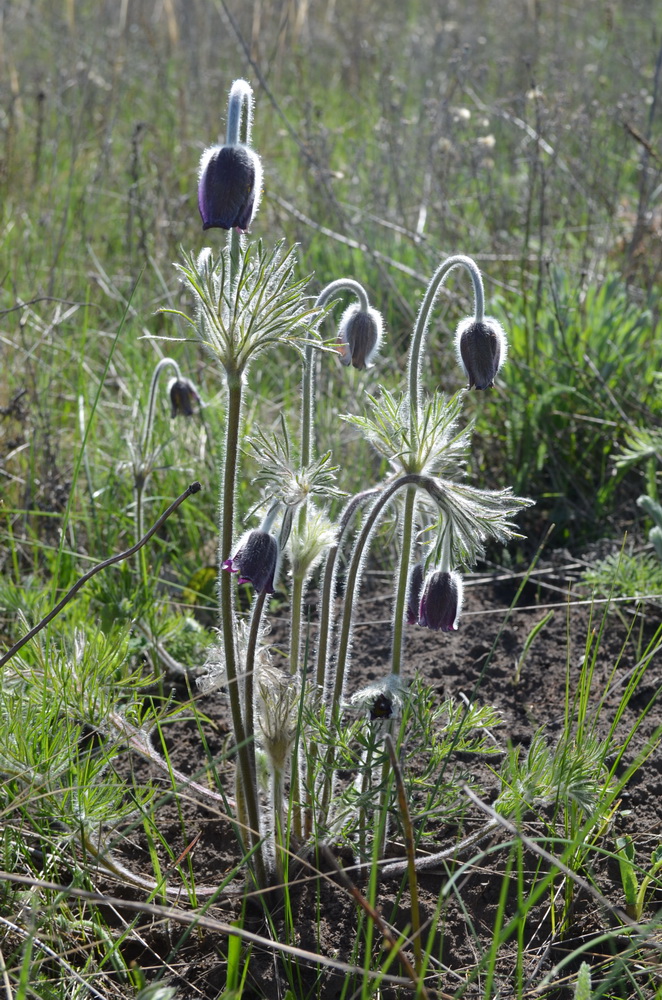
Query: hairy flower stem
x,y
415,365
249,677
298,582
354,568
423,322
308,394
246,757
337,674
139,489
164,363
240,100
323,677
308,442
408,519
240,112
307,453
278,809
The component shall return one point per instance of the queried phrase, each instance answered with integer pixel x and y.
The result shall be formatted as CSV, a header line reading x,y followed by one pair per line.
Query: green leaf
x,y
626,857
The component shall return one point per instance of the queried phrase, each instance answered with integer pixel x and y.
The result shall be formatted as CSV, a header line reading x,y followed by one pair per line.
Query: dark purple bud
x,y
441,602
256,560
414,593
359,336
183,395
481,350
229,187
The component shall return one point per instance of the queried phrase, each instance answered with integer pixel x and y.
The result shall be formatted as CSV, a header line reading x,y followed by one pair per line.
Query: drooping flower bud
x,y
481,350
380,700
359,336
256,560
229,187
277,705
183,395
441,602
414,593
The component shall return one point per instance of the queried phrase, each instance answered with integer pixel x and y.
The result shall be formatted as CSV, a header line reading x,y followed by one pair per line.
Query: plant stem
x,y
408,517
246,757
414,382
411,854
328,587
277,799
139,488
423,322
308,388
240,99
295,652
249,676
376,511
335,679
308,437
146,439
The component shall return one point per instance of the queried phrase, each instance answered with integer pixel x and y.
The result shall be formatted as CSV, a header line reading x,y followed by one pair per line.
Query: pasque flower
x,y
481,350
441,601
256,560
229,187
359,336
183,395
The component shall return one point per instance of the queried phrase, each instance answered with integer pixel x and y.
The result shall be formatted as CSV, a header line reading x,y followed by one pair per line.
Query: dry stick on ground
x,y
193,488
197,919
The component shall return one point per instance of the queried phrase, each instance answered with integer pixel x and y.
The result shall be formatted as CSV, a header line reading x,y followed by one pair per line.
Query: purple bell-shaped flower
x,y
183,395
256,560
359,336
229,187
481,350
441,602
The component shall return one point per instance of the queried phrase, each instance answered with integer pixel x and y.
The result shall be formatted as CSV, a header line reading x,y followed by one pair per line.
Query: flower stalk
x,y
414,372
246,757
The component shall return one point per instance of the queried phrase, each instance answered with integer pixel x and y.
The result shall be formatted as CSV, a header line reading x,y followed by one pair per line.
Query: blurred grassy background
x,y
525,134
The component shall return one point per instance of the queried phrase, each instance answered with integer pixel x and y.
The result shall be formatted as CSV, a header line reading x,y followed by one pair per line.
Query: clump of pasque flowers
x,y
247,300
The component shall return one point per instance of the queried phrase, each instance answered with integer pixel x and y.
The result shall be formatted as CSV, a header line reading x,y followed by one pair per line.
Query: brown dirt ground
x,y
324,917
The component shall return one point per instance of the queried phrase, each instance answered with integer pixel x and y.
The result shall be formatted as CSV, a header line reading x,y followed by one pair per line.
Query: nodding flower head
x,y
414,593
183,395
359,336
481,350
229,187
381,700
256,560
441,602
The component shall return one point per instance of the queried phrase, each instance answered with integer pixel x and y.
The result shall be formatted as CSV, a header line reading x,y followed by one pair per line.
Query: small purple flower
x,y
256,560
441,602
481,350
359,336
414,593
229,187
183,395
